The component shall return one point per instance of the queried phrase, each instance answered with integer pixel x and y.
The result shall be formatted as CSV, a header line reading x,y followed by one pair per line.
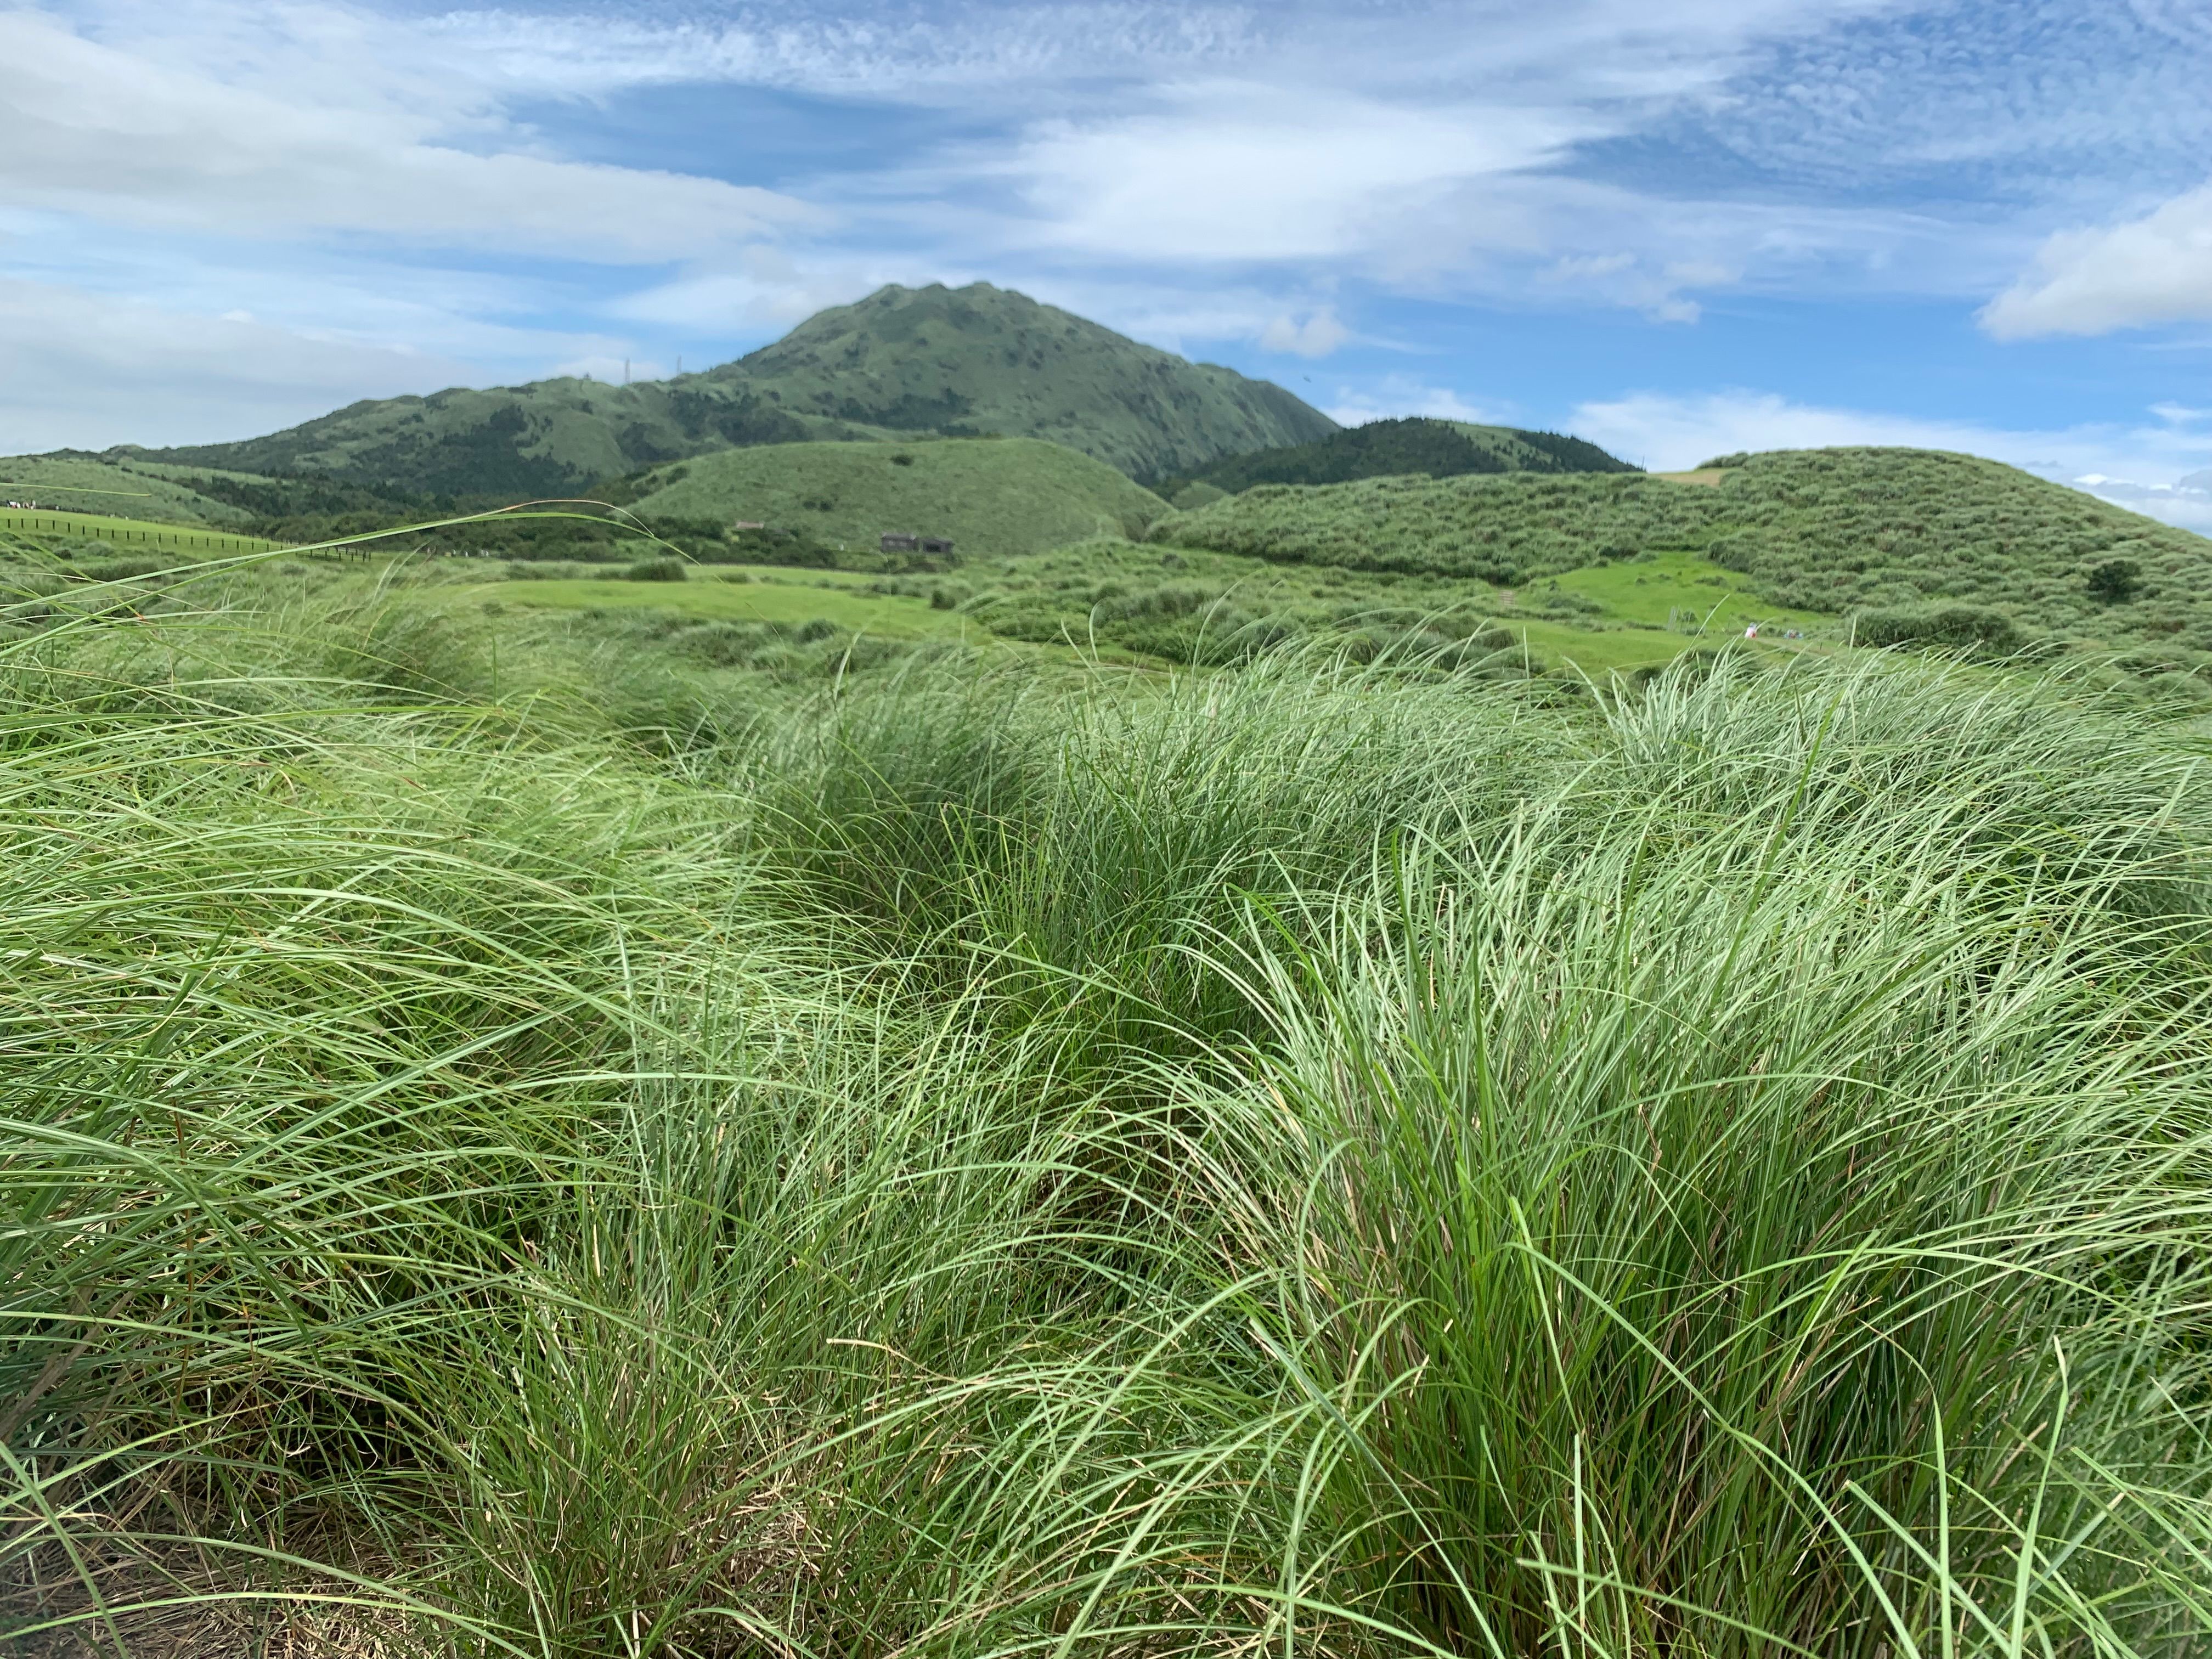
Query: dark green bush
x,y
1941,627
655,570
128,568
2115,581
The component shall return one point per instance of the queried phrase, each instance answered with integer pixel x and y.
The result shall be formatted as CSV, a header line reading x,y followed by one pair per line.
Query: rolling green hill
x,y
1179,605
961,362
102,531
70,481
549,437
1831,530
1442,449
991,497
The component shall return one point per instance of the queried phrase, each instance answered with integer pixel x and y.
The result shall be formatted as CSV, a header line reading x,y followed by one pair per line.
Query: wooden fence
x,y
153,536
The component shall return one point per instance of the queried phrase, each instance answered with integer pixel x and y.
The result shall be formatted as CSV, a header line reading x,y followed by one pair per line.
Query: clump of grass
x,y
1316,1156
1712,1232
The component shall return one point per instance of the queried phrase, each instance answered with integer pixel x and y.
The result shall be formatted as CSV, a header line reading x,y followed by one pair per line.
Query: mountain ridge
x,y
1400,447
972,361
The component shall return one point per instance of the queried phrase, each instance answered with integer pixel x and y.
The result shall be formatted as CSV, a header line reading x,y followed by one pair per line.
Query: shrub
x,y
655,570
2115,581
1941,627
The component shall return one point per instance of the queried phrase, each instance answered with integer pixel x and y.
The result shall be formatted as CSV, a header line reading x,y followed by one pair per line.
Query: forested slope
x,y
1378,449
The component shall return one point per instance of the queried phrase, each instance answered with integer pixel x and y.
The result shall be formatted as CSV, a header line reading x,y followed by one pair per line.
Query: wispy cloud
x,y
85,371
166,147
1399,395
854,50
1242,172
1270,179
1315,335
2136,466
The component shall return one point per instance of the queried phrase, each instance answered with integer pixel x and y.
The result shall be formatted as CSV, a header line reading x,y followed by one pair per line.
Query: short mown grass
x,y
1310,1158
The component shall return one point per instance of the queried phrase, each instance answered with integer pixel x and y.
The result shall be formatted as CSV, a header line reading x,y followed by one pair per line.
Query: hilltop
x,y
991,497
70,481
1831,530
959,363
1442,449
976,360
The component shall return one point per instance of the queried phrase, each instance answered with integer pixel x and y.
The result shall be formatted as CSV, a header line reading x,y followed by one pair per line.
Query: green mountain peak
x,y
970,361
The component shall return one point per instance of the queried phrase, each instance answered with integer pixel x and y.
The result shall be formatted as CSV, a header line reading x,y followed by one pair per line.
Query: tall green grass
x,y
1302,1160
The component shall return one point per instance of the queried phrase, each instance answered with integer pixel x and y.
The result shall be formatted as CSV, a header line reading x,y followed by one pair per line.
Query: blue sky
x,y
1677,228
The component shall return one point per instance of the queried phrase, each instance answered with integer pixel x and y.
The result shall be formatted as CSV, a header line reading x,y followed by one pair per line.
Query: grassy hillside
x,y
1831,530
1442,449
551,437
803,602
516,1146
1184,605
1520,450
97,531
956,361
990,496
119,488
1126,603
983,359
182,498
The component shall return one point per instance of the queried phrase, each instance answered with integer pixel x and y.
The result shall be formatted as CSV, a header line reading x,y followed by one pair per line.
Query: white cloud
x,y
1575,49
1621,278
1320,334
1396,396
2156,268
81,371
850,50
1189,173
1417,144
2184,503
762,288
120,137
1246,172
1669,434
